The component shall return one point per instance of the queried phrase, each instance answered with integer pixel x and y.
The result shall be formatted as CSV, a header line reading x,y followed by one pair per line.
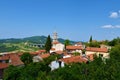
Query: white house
x,y
55,65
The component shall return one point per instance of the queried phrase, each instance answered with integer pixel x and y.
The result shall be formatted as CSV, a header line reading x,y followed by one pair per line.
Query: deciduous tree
x,y
26,58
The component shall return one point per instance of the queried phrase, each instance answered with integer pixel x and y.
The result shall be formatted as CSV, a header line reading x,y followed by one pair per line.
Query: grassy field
x,y
17,47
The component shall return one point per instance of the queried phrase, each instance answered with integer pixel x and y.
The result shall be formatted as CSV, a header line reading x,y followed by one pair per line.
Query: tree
x,y
26,58
94,44
90,39
48,44
67,42
76,53
114,42
11,73
115,53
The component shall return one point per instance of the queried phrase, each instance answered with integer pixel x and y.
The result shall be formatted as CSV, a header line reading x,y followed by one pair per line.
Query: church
x,y
56,45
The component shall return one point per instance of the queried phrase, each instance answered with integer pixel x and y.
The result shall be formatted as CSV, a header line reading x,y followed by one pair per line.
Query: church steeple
x,y
55,37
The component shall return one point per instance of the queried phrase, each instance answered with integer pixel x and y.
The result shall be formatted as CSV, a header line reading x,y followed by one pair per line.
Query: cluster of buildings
x,y
78,47
86,54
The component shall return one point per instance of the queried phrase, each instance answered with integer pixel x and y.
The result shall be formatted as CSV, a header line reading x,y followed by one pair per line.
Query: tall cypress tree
x,y
48,44
90,39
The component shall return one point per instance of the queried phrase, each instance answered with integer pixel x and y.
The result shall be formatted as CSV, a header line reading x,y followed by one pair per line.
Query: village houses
x,y
57,48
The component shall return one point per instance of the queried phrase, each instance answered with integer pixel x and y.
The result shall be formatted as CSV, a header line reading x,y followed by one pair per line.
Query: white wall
x,y
58,47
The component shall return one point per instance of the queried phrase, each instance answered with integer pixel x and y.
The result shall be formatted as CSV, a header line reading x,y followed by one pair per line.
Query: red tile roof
x,y
38,52
74,47
90,57
34,53
41,51
97,49
52,49
19,54
44,55
59,52
15,60
74,59
3,65
5,57
56,42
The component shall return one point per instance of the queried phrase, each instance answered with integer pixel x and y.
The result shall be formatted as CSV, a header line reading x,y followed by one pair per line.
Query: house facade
x,y
103,52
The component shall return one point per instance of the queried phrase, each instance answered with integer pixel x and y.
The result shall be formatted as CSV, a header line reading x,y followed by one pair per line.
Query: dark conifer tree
x,y
90,39
48,44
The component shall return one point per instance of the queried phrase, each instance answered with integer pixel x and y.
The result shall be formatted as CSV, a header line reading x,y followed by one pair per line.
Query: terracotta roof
x,y
56,42
52,49
34,53
96,49
3,65
41,51
44,55
15,60
20,54
74,59
74,47
59,52
5,57
90,57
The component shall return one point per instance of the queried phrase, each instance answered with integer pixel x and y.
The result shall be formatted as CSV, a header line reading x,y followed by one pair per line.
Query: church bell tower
x,y
55,37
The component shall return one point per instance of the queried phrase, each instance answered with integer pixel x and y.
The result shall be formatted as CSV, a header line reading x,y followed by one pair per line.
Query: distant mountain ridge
x,y
33,39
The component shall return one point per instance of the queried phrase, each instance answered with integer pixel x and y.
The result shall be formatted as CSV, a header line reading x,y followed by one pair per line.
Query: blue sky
x,y
72,19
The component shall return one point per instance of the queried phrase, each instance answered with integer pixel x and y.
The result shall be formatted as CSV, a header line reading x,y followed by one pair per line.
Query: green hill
x,y
33,39
22,44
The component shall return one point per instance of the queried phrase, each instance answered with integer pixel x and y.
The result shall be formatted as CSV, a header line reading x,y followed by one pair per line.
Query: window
x,y
100,55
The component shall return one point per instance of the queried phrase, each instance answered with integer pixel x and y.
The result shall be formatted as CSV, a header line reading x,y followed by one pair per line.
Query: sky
x,y
71,19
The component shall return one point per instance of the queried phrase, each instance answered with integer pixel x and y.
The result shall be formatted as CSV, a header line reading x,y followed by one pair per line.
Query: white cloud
x,y
117,26
119,11
110,26
107,26
114,15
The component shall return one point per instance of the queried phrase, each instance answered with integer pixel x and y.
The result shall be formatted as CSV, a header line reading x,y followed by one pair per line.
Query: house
x,y
2,67
103,52
56,45
44,55
37,58
74,59
105,46
9,59
38,52
78,44
90,57
56,64
41,51
72,49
